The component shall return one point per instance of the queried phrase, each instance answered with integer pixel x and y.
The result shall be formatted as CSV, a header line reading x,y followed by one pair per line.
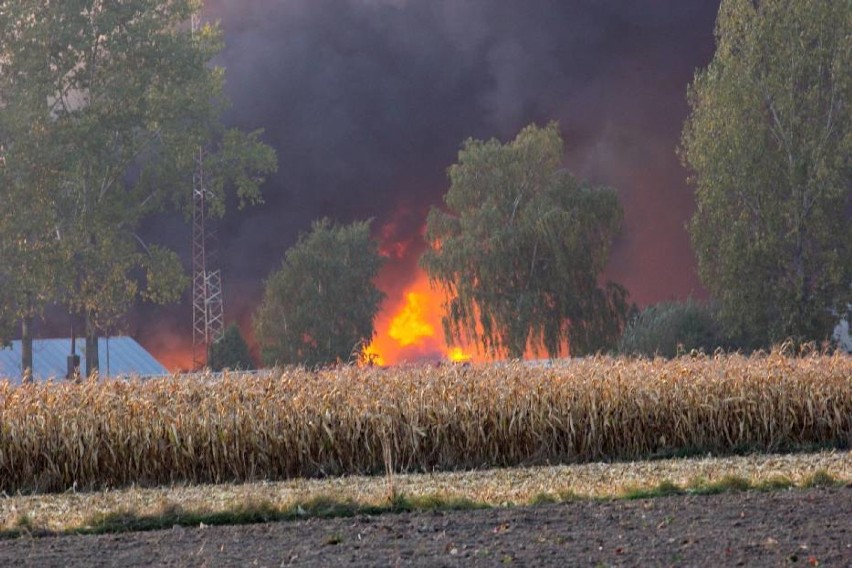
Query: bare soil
x,y
800,527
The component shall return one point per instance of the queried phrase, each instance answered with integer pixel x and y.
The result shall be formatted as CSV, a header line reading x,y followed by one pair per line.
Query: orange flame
x,y
371,356
457,355
409,328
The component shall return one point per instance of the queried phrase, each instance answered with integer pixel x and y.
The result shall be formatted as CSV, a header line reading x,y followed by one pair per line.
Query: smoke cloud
x,y
368,101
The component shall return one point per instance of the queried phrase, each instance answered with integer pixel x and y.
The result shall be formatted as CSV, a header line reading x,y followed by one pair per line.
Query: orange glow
x,y
175,351
370,356
174,361
409,327
457,355
170,348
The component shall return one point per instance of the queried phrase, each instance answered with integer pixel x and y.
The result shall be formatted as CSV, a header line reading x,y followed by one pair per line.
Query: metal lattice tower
x,y
208,312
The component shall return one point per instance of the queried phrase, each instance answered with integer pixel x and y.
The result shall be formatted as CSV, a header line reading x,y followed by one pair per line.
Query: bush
x,y
319,307
671,328
230,352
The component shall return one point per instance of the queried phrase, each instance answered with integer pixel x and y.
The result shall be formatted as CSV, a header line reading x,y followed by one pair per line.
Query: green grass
x,y
664,489
687,452
731,483
822,478
544,498
249,513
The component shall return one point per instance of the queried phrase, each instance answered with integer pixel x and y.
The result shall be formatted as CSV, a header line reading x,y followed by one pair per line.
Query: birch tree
x,y
519,249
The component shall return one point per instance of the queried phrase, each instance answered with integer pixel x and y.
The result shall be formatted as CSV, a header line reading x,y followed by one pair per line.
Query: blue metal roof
x,y
119,357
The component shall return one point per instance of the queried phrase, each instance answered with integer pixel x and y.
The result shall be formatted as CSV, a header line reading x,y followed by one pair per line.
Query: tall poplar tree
x,y
769,144
30,258
120,96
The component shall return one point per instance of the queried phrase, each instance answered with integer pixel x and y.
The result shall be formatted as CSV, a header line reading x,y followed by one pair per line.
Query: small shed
x,y
119,357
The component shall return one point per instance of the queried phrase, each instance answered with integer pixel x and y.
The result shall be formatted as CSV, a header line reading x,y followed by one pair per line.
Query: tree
x,y
769,144
319,307
668,329
119,97
230,352
520,249
29,257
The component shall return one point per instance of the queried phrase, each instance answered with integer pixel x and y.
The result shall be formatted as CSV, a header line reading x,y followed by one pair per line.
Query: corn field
x,y
352,420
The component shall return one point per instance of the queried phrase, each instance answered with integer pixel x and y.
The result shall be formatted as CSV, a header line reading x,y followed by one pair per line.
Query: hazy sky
x,y
368,101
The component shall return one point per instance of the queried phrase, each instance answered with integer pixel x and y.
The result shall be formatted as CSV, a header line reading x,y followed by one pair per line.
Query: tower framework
x,y
208,313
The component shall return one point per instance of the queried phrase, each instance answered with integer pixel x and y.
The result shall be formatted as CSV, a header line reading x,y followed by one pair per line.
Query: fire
x,y
409,328
457,355
371,356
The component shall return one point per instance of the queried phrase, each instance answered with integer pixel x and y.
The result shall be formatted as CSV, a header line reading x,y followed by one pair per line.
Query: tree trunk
x,y
27,347
92,358
73,360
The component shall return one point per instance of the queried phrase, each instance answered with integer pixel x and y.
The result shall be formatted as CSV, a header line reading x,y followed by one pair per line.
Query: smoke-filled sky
x,y
368,101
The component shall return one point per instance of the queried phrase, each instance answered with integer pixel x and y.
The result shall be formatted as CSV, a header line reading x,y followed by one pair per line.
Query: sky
x,y
368,101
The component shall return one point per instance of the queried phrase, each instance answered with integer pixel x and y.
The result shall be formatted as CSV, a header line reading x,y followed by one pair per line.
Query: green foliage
x,y
29,257
700,486
822,478
6,325
319,307
254,511
520,247
770,146
230,352
164,275
672,328
664,489
104,108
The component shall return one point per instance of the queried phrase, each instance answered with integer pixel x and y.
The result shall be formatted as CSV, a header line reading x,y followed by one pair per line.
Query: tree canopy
x,y
230,352
769,144
519,249
319,307
103,109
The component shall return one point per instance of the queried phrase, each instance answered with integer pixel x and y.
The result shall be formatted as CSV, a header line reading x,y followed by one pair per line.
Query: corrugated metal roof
x,y
119,357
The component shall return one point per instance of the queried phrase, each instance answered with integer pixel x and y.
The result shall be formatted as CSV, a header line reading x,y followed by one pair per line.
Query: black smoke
x,y
367,102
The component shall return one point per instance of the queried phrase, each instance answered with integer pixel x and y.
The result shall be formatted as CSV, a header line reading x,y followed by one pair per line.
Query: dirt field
x,y
789,527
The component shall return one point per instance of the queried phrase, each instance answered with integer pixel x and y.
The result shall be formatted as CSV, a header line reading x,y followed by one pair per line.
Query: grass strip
x,y
251,513
732,483
323,507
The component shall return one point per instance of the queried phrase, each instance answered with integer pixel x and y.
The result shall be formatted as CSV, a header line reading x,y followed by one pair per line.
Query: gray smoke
x,y
368,101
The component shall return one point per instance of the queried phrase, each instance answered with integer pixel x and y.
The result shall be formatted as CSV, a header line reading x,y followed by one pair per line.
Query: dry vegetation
x,y
182,504
296,423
